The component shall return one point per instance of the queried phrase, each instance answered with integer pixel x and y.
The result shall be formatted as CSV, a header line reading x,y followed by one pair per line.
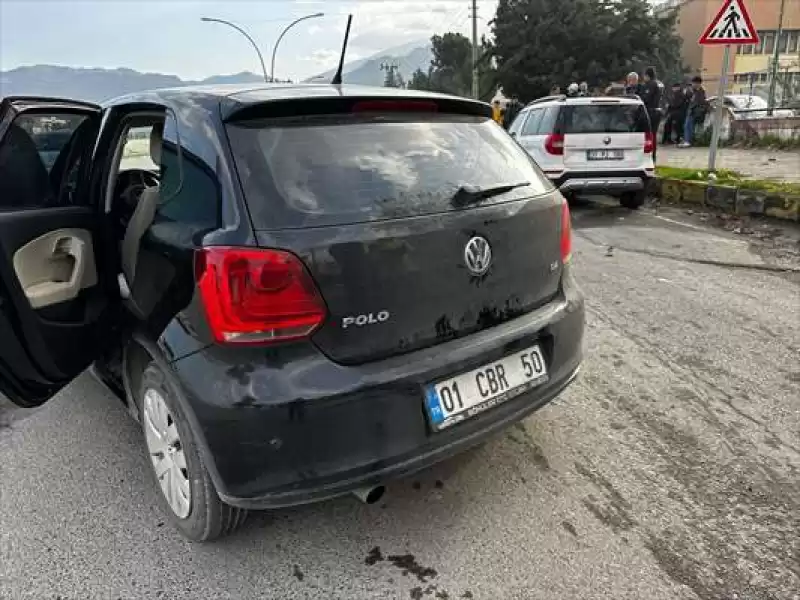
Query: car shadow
x,y
593,212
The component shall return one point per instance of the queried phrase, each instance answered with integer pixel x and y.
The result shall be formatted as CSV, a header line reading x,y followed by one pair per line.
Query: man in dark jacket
x,y
651,97
676,114
698,106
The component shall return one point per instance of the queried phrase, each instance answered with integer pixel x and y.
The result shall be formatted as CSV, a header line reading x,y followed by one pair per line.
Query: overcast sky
x,y
167,36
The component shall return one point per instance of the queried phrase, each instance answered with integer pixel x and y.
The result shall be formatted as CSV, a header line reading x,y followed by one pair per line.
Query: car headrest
x,y
156,140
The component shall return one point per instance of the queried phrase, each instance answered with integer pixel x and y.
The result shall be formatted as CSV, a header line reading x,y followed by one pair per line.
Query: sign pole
x,y
718,110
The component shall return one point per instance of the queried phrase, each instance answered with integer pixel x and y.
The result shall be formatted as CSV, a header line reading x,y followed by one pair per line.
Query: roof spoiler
x,y
289,107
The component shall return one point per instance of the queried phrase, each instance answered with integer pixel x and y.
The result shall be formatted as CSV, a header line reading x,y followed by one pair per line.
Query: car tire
x,y
206,518
632,200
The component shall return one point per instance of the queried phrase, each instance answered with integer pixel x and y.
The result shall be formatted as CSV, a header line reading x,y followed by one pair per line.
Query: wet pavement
x,y
753,162
669,470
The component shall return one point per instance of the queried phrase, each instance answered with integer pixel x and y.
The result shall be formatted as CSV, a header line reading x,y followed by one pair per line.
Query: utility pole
x,y
775,63
475,90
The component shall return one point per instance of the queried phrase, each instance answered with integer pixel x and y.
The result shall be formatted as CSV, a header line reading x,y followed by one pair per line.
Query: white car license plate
x,y
463,396
605,155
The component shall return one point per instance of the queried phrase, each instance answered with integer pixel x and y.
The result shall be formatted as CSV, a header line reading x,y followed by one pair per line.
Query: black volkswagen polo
x,y
298,291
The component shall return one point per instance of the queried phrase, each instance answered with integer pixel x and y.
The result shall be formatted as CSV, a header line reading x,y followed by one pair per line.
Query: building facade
x,y
751,66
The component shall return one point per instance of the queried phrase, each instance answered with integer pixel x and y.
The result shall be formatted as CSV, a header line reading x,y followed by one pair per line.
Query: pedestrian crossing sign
x,y
732,25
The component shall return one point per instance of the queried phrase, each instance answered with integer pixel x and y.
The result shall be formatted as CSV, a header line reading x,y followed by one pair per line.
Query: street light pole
x,y
245,34
283,33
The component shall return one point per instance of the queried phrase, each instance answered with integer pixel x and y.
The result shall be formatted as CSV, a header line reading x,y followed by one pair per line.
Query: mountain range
x,y
96,85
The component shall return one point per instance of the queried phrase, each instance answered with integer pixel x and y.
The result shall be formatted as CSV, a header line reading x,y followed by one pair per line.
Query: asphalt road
x,y
670,470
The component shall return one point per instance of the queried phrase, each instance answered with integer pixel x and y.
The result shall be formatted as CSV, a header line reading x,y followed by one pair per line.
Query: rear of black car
x,y
410,294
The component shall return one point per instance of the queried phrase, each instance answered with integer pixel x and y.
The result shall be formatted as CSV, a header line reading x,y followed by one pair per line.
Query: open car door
x,y
56,307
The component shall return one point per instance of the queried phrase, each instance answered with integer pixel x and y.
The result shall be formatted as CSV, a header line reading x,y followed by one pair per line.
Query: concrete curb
x,y
734,200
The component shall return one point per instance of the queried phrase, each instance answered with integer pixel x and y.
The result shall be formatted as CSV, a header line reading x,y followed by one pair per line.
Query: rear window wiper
x,y
468,194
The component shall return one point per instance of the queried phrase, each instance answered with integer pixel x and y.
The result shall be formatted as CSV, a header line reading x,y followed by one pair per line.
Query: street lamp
x,y
245,34
283,33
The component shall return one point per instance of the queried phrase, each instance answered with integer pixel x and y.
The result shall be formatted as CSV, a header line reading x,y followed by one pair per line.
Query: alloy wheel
x,y
166,453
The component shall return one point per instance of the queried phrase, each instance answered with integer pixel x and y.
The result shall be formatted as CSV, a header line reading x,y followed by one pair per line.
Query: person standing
x,y
696,113
651,97
572,90
497,112
632,86
676,114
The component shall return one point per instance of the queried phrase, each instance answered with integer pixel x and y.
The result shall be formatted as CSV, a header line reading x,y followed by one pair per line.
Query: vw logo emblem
x,y
478,256
607,140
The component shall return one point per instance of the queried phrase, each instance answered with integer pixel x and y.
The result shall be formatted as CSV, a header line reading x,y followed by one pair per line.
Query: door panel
x,y
57,311
56,266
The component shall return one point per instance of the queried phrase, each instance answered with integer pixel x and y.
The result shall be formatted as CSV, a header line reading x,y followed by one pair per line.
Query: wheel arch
x,y
139,352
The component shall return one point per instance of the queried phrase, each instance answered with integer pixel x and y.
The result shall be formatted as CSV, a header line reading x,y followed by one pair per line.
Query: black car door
x,y
57,301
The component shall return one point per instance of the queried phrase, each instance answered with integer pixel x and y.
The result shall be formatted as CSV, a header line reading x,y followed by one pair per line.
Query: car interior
x,y
57,269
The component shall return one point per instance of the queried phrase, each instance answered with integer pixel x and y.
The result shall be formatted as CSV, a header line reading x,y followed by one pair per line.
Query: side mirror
x,y
513,134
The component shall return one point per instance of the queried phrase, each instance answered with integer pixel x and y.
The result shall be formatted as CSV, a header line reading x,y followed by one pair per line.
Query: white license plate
x,y
605,155
463,396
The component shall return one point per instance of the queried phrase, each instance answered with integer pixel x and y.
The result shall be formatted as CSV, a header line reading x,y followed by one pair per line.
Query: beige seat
x,y
131,280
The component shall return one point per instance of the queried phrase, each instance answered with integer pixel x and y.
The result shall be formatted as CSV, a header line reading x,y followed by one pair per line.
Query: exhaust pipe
x,y
371,494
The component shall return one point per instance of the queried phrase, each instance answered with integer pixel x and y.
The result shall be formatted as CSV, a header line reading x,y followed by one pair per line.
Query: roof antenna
x,y
337,79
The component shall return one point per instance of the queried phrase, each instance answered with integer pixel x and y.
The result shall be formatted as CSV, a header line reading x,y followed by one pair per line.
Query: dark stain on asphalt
x,y
467,595
374,556
298,573
613,510
570,528
417,593
409,566
521,436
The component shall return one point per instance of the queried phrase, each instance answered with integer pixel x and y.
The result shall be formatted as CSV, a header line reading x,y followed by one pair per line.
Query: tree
x,y
541,43
420,80
450,71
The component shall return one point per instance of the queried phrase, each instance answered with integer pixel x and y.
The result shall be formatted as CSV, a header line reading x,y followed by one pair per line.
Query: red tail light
x,y
253,296
566,233
554,144
649,142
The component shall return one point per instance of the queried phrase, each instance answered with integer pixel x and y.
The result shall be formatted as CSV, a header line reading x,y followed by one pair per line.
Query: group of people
x,y
574,90
650,90
683,108
687,108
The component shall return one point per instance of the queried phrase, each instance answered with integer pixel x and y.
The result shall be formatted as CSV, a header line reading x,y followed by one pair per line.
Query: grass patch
x,y
687,174
730,178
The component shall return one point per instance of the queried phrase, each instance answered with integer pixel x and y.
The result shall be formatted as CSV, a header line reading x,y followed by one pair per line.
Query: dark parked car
x,y
319,288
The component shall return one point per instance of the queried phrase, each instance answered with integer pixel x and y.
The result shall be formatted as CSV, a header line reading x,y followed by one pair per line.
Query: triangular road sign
x,y
732,25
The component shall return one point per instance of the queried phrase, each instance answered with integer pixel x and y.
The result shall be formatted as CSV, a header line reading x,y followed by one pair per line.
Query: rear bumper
x,y
607,182
288,426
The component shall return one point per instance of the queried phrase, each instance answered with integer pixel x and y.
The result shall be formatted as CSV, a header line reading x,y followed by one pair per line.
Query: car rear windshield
x,y
604,118
329,170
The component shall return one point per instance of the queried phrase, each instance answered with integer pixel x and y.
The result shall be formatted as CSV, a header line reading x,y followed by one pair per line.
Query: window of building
x,y
768,45
793,45
783,42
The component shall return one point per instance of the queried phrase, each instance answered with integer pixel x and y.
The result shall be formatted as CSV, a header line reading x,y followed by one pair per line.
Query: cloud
x,y
382,24
322,57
